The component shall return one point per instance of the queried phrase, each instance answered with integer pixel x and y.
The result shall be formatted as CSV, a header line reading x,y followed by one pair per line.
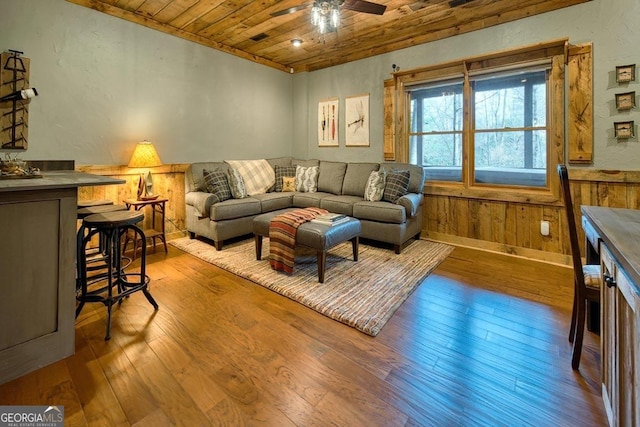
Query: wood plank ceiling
x,y
247,29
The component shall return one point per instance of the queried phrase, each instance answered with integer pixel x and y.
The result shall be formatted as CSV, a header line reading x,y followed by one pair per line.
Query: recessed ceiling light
x,y
296,42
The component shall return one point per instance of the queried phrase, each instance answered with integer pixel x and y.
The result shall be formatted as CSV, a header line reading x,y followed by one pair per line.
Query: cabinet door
x,y
628,323
608,331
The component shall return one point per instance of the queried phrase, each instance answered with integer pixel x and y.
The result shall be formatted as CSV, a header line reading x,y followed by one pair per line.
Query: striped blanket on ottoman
x,y
282,236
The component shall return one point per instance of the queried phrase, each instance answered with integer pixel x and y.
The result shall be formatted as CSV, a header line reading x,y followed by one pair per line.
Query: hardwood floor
x,y
482,342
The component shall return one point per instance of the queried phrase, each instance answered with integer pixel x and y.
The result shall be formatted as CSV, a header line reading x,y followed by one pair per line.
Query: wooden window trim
x,y
556,51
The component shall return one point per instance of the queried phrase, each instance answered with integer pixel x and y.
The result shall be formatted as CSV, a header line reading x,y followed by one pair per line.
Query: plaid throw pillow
x,y
215,182
281,172
396,186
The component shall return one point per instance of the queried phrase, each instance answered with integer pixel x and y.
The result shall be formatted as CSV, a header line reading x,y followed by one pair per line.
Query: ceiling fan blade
x,y
290,10
364,6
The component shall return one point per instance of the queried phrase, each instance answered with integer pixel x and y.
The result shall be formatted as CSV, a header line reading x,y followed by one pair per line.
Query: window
x,y
510,129
489,127
435,138
506,127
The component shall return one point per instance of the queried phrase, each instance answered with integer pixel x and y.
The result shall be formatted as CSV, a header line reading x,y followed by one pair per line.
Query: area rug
x,y
362,294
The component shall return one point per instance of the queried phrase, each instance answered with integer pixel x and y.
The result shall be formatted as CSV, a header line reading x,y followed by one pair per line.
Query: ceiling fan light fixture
x,y
322,24
325,14
335,16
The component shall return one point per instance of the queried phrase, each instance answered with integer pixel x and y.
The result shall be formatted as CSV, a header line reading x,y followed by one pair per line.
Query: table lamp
x,y
145,156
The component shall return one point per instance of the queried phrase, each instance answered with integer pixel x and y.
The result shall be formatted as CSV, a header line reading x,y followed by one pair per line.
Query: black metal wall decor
x,y
15,95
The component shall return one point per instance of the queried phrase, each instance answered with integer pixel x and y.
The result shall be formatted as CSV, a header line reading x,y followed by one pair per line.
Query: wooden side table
x,y
157,222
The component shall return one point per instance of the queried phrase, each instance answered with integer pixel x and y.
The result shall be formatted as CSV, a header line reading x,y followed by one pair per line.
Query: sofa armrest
x,y
201,202
411,202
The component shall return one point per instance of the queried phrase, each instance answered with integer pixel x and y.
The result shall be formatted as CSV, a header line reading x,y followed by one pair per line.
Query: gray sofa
x,y
341,188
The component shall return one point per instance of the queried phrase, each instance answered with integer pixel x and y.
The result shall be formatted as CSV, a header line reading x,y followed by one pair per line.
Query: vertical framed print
x,y
357,121
328,122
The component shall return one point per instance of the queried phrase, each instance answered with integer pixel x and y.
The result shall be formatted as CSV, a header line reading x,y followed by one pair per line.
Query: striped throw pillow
x,y
375,186
307,179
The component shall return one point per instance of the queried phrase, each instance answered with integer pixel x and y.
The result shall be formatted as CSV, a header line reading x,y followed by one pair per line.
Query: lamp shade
x,y
144,156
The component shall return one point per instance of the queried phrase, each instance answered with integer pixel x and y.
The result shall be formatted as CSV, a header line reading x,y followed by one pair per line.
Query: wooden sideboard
x,y
37,269
618,235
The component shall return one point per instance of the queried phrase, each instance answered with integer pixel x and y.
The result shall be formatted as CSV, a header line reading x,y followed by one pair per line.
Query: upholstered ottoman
x,y
318,237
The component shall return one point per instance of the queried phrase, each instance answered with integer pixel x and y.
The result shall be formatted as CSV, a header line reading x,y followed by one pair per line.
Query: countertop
x,y
619,229
56,179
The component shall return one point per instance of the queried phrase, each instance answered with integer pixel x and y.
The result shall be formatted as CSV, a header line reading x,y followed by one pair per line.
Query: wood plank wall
x,y
514,228
507,227
168,182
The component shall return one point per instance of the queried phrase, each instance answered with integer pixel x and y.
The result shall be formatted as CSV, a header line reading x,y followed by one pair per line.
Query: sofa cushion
x,y
281,172
308,200
274,201
356,176
216,183
258,175
236,184
307,179
279,161
375,186
396,185
305,163
235,208
330,176
380,212
339,204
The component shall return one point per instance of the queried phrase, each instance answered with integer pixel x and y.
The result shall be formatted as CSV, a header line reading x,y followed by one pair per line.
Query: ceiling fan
x,y
355,5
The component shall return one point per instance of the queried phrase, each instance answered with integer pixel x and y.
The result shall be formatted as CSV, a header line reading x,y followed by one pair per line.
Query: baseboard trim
x,y
532,254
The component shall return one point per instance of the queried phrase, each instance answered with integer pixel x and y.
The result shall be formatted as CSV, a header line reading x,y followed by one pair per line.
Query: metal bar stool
x,y
82,230
100,288
96,202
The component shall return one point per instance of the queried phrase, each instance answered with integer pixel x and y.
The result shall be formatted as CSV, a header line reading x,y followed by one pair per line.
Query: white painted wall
x,y
106,84
612,26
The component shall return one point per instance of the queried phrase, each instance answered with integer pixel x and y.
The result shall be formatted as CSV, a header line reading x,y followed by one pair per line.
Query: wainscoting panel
x,y
168,182
500,226
514,228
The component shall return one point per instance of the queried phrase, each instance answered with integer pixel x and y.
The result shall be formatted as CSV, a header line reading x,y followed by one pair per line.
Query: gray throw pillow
x,y
281,172
375,186
236,184
215,182
396,185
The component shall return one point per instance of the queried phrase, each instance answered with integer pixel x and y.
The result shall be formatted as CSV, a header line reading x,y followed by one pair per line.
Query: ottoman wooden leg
x,y
258,240
355,244
322,260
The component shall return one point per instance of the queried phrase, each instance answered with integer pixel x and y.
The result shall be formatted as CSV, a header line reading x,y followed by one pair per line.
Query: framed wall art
x,y
357,121
328,122
625,101
623,130
625,73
